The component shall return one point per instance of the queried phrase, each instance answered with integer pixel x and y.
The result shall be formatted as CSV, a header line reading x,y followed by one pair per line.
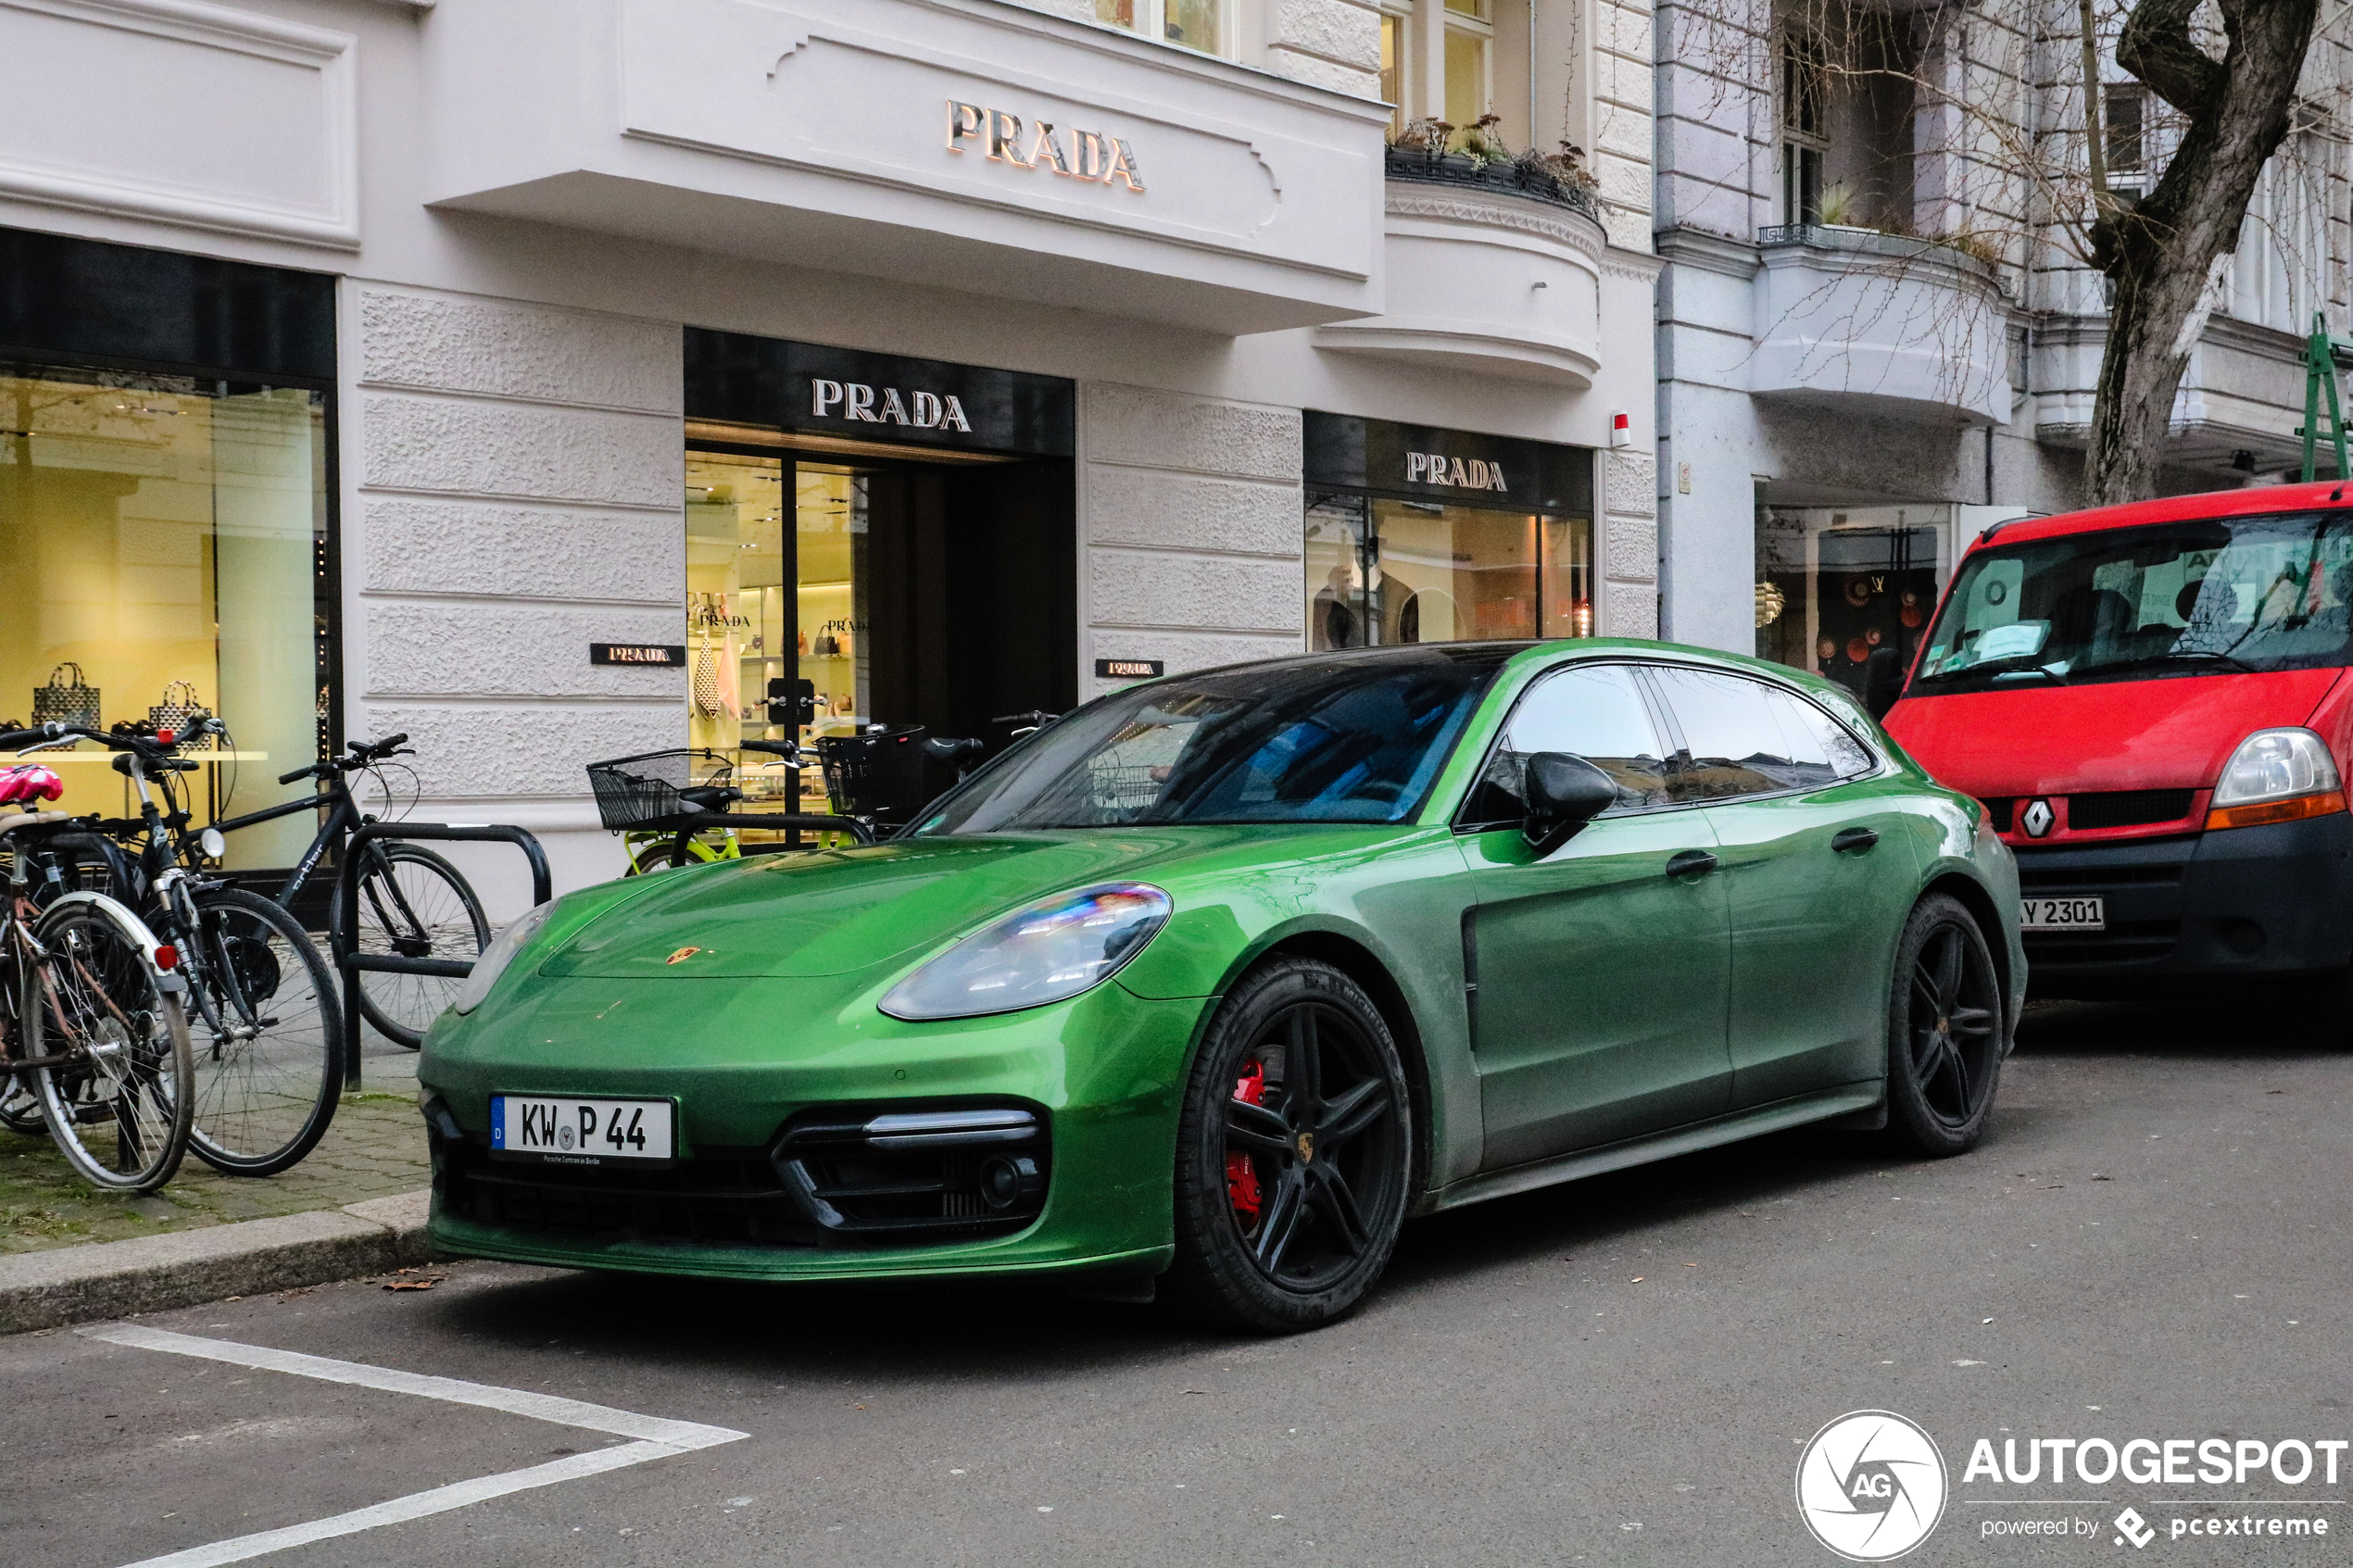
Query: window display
x,y
1836,588
164,544
1386,571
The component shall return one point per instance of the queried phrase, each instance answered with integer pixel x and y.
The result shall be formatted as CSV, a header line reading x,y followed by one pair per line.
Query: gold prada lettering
x,y
1087,154
856,400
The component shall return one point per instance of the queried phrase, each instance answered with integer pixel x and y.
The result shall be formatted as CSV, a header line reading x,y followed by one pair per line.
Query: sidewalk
x,y
376,1148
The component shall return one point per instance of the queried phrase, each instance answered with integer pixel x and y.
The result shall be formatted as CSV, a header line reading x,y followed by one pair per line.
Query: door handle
x,y
1853,838
1691,862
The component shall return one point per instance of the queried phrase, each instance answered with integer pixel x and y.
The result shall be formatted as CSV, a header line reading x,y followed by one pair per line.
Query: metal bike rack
x,y
347,891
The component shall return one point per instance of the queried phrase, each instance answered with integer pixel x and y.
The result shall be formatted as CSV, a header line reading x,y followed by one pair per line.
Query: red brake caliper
x,y
1241,1176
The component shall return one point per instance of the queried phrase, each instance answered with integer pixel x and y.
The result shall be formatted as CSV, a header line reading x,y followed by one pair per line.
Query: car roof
x,y
2172,509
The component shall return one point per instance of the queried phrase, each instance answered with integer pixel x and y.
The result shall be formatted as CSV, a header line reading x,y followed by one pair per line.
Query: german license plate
x,y
569,1131
2064,915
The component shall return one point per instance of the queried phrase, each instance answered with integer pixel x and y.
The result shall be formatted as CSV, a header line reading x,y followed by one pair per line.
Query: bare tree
x,y
2165,254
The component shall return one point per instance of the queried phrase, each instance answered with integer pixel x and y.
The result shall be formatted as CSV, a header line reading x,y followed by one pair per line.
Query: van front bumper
x,y
2258,902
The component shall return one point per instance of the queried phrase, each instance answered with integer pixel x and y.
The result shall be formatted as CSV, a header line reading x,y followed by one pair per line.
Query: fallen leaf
x,y
1636,1280
2097,1177
411,1284
1691,1265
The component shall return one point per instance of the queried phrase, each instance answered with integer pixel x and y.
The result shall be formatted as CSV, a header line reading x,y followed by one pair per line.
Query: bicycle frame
x,y
343,817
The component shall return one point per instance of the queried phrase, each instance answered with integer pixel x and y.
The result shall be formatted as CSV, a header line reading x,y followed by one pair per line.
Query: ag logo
x,y
2038,818
1870,1485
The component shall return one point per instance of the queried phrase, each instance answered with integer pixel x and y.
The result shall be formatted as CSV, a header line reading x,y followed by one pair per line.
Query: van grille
x,y
2128,807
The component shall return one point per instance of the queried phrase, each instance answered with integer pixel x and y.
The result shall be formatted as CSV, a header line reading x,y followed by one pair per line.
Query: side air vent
x,y
901,1173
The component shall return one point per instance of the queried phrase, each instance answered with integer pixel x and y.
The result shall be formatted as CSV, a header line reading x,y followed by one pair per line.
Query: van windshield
x,y
2175,599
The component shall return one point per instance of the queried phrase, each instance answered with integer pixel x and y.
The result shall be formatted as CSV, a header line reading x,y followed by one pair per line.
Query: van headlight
x,y
2276,776
1049,952
498,956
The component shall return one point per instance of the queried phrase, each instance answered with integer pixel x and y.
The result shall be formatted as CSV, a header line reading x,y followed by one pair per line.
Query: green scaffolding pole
x,y
2323,356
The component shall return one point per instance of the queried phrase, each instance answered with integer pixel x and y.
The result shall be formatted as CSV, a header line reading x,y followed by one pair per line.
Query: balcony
x,y
1493,269
1880,324
962,144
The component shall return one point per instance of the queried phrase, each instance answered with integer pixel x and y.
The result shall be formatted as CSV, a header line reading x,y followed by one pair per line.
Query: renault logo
x,y
2037,819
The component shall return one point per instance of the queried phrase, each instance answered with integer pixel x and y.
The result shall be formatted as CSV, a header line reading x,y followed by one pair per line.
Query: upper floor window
x,y
1804,130
1470,63
1196,24
2123,152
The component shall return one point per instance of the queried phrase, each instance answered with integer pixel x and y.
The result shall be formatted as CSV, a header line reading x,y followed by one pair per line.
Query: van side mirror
x,y
1564,794
1882,680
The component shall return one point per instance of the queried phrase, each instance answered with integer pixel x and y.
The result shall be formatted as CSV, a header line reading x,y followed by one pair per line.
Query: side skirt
x,y
1847,1100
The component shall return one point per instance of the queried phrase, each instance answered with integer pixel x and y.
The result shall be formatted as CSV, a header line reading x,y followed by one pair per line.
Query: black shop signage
x,y
847,392
658,656
1422,462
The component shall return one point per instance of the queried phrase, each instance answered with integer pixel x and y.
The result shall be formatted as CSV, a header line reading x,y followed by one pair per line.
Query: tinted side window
x,y
1744,737
1595,712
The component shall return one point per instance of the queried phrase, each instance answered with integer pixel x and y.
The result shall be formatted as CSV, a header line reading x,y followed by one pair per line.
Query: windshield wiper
x,y
1994,669
2239,664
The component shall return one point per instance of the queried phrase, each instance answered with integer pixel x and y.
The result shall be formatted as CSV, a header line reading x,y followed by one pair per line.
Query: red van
x,y
2151,701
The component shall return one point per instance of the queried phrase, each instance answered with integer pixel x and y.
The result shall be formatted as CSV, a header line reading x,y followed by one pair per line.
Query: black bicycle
x,y
413,904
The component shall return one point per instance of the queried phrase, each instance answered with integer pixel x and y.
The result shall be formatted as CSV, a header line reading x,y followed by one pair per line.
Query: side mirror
x,y
1882,680
1564,794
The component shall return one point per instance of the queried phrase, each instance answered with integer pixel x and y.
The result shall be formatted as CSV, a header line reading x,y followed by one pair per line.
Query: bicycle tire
x,y
263,1101
449,923
659,857
20,1107
100,982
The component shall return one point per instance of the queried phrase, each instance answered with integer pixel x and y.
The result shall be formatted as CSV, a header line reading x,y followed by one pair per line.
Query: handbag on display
x,y
708,702
178,709
65,702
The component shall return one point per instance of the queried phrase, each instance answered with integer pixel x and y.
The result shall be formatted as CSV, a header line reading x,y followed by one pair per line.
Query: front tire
x,y
1947,1031
132,1071
269,1059
1294,1154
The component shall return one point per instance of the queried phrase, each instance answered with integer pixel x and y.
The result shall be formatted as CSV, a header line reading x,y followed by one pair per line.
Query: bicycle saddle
x,y
939,748
708,797
28,782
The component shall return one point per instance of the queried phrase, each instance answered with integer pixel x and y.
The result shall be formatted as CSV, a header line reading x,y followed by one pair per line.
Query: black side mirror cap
x,y
1882,680
1565,792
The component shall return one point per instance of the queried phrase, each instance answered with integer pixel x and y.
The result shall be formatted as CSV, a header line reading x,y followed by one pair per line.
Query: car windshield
x,y
1353,739
2176,598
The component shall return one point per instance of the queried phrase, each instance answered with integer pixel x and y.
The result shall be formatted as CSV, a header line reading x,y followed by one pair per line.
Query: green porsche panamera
x,y
1207,986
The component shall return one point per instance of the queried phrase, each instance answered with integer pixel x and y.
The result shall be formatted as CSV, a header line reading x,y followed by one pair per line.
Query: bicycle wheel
x,y
413,904
269,1051
97,997
20,1107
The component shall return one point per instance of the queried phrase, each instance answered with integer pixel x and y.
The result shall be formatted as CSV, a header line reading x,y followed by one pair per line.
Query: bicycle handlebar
x,y
364,753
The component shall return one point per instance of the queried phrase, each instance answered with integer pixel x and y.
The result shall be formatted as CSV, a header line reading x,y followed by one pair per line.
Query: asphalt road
x,y
2152,1242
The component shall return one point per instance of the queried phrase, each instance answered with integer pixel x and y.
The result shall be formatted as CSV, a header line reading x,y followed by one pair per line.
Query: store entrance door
x,y
829,595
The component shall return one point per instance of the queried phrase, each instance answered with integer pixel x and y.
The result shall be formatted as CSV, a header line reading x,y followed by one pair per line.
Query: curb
x,y
113,1279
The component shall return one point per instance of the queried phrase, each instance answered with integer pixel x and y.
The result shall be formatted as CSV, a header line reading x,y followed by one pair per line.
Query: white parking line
x,y
656,1438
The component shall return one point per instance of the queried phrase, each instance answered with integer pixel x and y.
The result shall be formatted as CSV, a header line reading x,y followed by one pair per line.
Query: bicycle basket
x,y
878,774
641,790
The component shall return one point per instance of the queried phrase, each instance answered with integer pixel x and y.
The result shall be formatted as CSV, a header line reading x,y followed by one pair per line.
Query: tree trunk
x,y
2163,256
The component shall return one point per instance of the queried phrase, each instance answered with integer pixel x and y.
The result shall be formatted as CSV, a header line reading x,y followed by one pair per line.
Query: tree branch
x,y
2156,45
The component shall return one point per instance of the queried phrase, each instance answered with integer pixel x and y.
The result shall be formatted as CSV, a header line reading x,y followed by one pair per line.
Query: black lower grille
x,y
2123,942
891,1172
2128,807
2001,813
2032,878
724,1197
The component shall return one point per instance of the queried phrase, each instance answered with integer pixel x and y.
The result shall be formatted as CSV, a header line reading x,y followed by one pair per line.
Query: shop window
x,y
1196,24
163,529
1837,588
1384,571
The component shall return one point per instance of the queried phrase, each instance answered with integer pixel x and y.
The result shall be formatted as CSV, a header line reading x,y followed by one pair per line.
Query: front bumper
x,y
2254,902
747,1066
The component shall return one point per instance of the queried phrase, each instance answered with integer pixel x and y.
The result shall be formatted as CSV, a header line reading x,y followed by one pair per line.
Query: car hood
x,y
2111,735
836,912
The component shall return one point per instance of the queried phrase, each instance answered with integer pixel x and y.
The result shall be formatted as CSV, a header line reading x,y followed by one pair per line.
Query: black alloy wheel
x,y
1295,1153
1946,1031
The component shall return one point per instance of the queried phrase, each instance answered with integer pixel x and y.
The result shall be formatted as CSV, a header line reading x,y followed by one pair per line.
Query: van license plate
x,y
2063,914
566,1131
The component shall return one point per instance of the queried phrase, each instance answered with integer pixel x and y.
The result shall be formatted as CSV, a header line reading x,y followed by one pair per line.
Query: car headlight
x,y
1049,952
2275,776
498,956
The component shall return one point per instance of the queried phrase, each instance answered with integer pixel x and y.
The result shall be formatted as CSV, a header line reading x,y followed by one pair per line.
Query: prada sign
x,y
1092,157
1419,462
810,387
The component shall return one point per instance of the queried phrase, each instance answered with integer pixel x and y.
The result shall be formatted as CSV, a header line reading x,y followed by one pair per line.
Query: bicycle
x,y
412,902
664,802
268,1078
89,973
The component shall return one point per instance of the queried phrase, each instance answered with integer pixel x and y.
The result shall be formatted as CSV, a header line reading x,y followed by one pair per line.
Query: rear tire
x,y
1947,1031
1294,1158
138,1079
263,1102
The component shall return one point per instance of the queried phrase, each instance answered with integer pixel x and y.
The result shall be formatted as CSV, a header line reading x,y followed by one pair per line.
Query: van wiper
x,y
2204,655
1994,668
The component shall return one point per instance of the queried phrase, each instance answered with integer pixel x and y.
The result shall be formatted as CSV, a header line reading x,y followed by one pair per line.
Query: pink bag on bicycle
x,y
28,782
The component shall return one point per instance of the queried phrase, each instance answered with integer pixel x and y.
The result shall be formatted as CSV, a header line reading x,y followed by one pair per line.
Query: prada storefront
x,y
873,540
1423,535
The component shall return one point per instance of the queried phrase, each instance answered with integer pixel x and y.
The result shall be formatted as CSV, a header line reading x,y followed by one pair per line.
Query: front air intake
x,y
899,1173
